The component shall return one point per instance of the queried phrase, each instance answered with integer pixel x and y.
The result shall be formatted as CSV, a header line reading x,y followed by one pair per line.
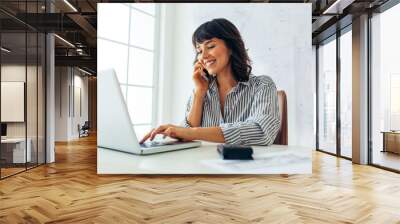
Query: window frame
x,y
334,37
155,53
379,10
124,84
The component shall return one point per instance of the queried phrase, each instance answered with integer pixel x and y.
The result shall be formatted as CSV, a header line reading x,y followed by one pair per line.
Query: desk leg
x,y
384,142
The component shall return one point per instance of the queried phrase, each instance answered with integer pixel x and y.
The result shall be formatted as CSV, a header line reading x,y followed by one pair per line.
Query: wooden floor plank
x,y
70,191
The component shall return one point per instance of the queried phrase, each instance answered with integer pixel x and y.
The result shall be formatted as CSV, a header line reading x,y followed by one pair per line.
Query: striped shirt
x,y
251,111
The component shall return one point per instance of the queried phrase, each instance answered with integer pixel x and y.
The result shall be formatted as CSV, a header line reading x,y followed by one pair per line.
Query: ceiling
x,y
76,22
77,27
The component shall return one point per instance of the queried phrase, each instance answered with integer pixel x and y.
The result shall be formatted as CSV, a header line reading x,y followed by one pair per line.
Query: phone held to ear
x,y
206,75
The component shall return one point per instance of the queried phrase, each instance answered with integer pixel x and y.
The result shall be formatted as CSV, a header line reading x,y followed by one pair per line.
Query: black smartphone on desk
x,y
236,152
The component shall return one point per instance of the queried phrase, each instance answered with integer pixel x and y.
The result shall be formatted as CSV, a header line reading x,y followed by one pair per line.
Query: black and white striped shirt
x,y
251,111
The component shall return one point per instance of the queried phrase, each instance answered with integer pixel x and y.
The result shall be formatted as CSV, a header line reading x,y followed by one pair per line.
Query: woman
x,y
228,104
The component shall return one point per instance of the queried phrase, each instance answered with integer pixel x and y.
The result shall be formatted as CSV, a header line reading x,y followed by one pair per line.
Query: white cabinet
x,y
12,101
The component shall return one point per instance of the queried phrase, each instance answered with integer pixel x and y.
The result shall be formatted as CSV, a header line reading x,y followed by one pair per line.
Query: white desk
x,y
275,159
18,151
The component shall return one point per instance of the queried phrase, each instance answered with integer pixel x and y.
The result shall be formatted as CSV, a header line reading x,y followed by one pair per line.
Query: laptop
x,y
115,130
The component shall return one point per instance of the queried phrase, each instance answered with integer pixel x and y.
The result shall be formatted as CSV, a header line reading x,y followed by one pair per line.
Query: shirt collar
x,y
214,88
246,83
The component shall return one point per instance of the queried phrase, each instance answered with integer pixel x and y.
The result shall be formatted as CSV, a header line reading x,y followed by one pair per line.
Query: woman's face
x,y
214,54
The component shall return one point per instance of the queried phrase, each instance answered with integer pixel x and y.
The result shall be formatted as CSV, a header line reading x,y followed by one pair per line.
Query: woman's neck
x,y
225,79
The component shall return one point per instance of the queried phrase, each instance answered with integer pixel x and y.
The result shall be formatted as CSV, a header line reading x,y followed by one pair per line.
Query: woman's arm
x,y
193,119
260,128
211,134
263,123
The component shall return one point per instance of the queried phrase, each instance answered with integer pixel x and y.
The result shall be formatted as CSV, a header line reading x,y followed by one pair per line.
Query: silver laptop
x,y
115,130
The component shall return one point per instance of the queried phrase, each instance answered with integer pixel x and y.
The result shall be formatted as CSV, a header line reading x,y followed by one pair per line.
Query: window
x,y
22,78
335,93
346,94
327,96
127,44
394,101
385,88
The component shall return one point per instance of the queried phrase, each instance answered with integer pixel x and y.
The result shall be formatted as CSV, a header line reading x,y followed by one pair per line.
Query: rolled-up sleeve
x,y
189,103
263,124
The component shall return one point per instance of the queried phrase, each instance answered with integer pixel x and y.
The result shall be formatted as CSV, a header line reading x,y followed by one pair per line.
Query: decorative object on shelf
x,y
391,141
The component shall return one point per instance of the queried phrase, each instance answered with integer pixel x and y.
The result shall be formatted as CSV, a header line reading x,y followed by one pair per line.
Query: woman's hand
x,y
173,131
200,83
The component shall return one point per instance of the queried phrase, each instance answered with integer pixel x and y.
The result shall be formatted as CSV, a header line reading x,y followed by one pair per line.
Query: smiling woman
x,y
228,104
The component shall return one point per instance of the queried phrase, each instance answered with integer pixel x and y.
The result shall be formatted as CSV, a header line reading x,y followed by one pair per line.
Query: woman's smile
x,y
209,62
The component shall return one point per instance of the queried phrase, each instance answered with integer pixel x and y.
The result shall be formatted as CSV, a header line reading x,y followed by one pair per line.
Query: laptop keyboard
x,y
157,143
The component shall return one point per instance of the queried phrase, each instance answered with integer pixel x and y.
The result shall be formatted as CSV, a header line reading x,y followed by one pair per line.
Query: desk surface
x,y
275,159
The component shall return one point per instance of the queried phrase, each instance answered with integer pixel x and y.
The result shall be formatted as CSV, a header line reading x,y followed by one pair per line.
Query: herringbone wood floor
x,y
70,191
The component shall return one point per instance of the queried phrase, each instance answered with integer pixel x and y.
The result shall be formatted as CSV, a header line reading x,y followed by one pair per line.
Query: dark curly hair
x,y
223,29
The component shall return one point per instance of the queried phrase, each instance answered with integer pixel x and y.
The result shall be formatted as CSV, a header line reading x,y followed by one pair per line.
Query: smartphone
x,y
207,75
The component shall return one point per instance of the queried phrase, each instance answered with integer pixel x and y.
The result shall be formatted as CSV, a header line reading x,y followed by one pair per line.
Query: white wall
x,y
278,37
68,82
80,83
61,103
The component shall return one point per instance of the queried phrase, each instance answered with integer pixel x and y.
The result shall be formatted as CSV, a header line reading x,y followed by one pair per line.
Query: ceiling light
x,y
79,51
84,71
70,5
5,50
65,41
